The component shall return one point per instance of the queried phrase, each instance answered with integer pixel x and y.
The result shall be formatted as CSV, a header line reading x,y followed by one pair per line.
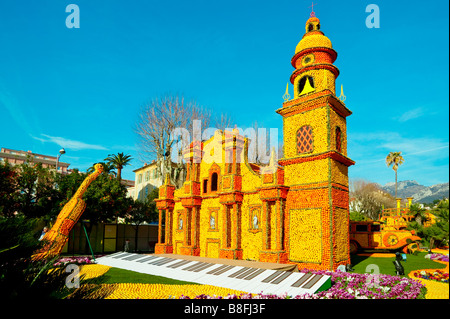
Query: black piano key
x,y
204,267
251,276
300,282
192,266
246,273
240,271
281,278
312,282
273,276
223,270
156,261
121,255
216,269
163,262
179,264
145,259
133,257
198,266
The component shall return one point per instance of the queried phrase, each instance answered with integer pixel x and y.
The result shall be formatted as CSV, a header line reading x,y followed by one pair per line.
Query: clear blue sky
x,y
82,89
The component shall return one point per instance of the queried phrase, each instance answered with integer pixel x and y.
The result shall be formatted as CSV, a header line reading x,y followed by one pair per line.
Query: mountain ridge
x,y
420,193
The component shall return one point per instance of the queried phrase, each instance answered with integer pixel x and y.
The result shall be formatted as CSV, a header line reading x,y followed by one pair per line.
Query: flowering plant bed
x,y
348,286
437,275
73,260
437,256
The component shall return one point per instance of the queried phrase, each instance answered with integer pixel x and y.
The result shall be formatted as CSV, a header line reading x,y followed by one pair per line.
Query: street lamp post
x,y
61,152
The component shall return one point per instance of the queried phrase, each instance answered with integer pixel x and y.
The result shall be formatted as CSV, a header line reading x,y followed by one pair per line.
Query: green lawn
x,y
117,275
386,266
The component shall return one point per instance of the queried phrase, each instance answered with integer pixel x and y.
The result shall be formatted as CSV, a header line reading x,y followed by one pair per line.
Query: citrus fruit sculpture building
x,y
294,210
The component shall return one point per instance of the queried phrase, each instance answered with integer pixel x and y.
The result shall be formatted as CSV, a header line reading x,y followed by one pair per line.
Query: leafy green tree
x,y
419,213
153,212
357,217
27,189
395,159
438,232
108,168
106,198
8,190
22,278
143,212
34,191
136,216
119,161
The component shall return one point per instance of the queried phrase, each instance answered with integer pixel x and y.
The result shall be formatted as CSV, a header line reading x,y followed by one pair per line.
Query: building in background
x,y
15,157
146,179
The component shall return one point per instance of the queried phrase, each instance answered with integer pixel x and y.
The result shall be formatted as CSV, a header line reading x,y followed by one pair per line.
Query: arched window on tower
x,y
306,85
310,27
338,139
214,178
304,139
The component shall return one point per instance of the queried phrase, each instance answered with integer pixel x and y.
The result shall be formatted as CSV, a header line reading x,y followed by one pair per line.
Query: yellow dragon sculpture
x,y
57,236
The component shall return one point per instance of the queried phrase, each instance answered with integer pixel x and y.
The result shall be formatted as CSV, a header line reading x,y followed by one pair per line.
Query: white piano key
x,y
269,287
316,286
286,285
224,280
246,285
256,285
191,271
221,280
279,285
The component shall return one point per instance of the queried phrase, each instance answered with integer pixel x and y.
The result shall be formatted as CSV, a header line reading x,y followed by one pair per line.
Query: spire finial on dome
x,y
313,14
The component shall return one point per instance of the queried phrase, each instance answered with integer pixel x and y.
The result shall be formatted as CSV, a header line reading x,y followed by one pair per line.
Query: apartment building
x,y
15,157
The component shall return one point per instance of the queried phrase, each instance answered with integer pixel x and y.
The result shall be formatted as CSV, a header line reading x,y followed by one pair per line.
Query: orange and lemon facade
x,y
293,210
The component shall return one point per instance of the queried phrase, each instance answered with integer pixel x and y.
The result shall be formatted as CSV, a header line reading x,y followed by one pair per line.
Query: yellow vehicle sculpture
x,y
388,233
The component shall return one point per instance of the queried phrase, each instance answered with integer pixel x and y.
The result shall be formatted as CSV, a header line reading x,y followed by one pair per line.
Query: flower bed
x,y
437,275
349,286
344,286
73,260
437,256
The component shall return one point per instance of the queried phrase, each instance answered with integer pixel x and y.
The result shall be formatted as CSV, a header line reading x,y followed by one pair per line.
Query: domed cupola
x,y
313,61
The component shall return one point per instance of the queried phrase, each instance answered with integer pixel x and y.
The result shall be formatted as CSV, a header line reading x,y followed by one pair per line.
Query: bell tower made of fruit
x,y
315,157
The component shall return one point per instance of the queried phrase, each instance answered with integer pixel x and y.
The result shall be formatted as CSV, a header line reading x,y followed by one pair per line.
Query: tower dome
x,y
313,38
313,61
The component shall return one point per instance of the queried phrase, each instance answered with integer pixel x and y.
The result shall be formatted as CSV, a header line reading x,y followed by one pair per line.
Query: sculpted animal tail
x,y
57,236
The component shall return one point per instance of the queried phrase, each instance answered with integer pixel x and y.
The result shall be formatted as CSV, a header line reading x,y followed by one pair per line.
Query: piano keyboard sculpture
x,y
248,279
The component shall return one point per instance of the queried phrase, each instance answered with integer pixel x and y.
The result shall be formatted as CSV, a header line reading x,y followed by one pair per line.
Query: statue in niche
x,y
255,221
180,223
212,221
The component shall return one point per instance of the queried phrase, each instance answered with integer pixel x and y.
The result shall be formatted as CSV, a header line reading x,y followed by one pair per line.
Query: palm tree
x,y
119,161
108,168
419,214
395,159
